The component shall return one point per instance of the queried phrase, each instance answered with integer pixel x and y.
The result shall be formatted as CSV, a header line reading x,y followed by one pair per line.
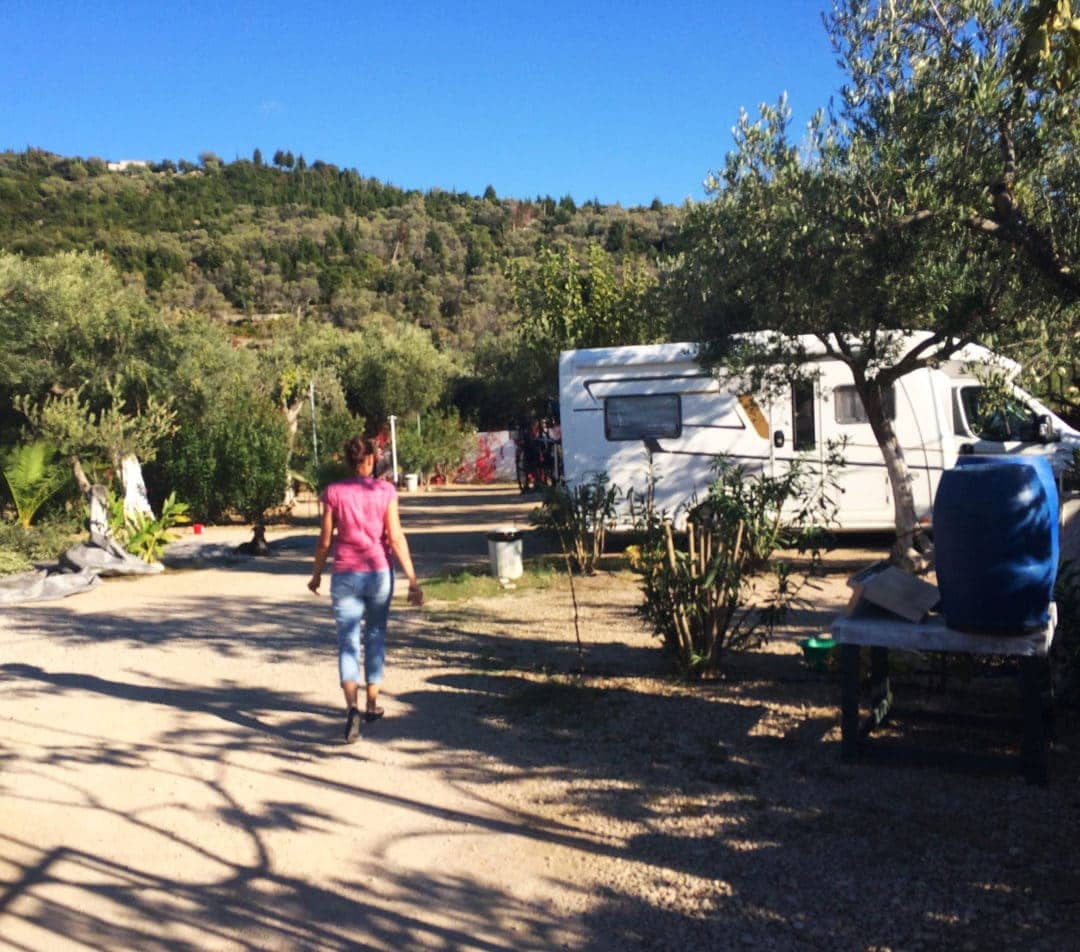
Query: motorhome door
x,y
862,493
795,426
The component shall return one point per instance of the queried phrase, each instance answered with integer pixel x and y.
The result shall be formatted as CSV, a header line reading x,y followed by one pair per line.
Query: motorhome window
x,y
1000,419
657,416
848,408
802,405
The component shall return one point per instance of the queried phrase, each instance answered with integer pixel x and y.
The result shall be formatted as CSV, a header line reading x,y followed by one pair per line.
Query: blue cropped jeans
x,y
361,602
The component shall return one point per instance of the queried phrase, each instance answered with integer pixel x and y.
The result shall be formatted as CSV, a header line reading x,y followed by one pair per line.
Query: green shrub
x,y
234,459
333,429
713,589
437,445
142,534
21,548
32,475
578,517
329,471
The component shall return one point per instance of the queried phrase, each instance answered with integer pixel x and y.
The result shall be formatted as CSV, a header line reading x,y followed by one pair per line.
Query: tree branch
x,y
915,218
80,475
1010,226
916,357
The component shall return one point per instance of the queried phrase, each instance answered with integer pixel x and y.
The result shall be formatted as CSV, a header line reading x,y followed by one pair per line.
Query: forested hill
x,y
248,238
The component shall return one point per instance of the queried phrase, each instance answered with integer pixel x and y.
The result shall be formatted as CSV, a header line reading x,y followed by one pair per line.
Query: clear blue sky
x,y
620,101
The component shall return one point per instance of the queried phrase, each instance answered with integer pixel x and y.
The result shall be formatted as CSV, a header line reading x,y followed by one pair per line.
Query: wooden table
x,y
881,632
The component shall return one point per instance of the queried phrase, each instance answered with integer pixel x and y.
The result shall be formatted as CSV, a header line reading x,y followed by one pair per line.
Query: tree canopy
x,y
940,195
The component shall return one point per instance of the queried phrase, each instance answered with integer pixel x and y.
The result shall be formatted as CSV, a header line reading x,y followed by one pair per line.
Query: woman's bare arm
x,y
399,545
322,548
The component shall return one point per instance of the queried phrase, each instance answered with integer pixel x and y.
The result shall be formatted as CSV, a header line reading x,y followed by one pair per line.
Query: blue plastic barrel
x,y
996,543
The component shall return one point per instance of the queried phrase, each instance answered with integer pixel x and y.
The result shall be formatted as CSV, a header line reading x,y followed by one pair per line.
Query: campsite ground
x,y
172,776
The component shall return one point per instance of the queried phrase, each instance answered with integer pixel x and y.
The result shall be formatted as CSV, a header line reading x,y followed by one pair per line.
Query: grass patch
x,y
21,548
475,581
12,562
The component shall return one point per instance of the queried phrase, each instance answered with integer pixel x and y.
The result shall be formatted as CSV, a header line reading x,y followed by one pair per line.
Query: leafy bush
x,y
32,476
437,446
331,470
142,534
712,589
579,518
21,548
334,428
234,459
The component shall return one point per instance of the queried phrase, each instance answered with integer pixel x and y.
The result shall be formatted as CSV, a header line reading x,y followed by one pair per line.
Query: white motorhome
x,y
626,409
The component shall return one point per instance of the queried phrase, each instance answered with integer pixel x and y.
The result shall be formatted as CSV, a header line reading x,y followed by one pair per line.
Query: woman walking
x,y
363,512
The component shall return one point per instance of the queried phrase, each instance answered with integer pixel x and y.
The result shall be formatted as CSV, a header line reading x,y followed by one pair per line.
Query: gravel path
x,y
171,777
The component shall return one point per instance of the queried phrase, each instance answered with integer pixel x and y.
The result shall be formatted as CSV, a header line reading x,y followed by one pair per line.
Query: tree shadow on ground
x,y
255,907
894,861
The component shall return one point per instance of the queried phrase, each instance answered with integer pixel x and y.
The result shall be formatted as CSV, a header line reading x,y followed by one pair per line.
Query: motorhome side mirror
x,y
778,439
1045,429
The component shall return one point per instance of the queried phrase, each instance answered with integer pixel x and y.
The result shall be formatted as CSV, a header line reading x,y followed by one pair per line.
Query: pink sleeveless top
x,y
359,506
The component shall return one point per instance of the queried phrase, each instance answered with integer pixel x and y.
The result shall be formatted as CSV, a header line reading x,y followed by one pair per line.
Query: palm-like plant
x,y
32,476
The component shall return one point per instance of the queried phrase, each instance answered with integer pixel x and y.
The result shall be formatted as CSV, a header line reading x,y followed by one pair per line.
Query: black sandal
x,y
374,714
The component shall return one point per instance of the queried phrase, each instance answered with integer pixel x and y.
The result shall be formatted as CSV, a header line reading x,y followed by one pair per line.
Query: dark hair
x,y
357,449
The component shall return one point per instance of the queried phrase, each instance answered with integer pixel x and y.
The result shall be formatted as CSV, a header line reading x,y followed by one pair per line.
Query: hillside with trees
x,y
199,313
246,240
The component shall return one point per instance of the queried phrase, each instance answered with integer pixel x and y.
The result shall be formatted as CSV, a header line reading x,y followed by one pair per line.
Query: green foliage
x,y
1049,49
143,534
32,476
435,443
260,239
940,196
477,582
334,428
329,470
578,517
565,304
21,549
408,282
109,434
712,589
234,459
69,322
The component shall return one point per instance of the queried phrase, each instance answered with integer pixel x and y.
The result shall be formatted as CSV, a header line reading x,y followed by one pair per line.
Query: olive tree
x,y
566,303
941,195
68,321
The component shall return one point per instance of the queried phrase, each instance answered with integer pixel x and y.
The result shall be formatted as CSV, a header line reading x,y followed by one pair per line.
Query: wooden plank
x,y
933,635
894,590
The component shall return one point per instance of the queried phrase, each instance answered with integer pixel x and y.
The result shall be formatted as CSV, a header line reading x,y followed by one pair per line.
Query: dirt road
x,y
172,773
172,777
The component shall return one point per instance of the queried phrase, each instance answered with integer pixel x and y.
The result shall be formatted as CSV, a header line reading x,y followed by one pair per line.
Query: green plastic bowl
x,y
816,651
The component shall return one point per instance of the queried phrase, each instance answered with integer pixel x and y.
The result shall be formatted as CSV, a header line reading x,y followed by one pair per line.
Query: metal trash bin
x,y
504,551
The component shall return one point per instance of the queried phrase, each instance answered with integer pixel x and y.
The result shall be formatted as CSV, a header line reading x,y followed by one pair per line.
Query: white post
x,y
314,432
393,445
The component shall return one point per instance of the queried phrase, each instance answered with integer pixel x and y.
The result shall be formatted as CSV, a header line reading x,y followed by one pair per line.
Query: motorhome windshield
x,y
991,416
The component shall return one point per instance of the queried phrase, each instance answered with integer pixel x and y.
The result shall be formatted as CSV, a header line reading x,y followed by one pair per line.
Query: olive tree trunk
x,y
911,545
